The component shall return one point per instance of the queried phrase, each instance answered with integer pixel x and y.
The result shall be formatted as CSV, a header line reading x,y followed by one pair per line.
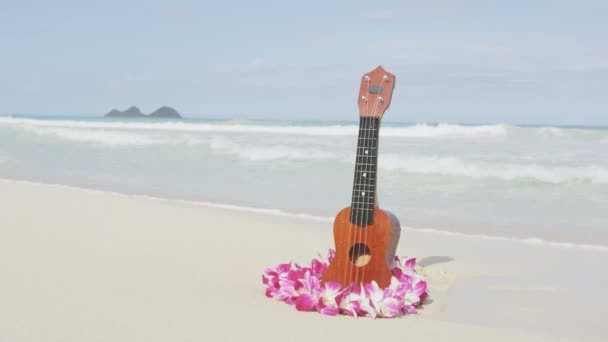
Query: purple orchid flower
x,y
300,286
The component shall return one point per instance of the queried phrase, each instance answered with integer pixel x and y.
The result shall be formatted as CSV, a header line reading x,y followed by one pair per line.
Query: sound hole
x,y
360,254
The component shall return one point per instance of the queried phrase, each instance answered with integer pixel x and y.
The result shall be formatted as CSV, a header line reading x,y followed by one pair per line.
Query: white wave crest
x,y
105,137
454,166
445,130
114,137
415,131
255,153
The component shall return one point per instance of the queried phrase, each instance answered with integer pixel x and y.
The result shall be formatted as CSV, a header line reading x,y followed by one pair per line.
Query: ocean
x,y
536,183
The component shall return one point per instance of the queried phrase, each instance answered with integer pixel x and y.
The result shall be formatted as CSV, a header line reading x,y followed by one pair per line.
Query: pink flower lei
x,y
300,286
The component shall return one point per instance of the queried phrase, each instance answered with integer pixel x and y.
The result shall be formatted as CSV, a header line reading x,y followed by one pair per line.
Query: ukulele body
x,y
364,253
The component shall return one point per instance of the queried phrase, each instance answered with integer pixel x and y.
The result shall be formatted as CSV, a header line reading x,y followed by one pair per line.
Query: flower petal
x,y
305,302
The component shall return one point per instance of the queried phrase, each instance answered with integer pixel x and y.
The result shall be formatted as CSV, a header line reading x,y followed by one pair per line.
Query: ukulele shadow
x,y
435,259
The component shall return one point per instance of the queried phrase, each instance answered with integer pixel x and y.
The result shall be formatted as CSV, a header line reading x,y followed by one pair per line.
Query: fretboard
x,y
366,167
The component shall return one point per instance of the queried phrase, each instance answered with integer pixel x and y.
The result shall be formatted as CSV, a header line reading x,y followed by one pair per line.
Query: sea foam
x,y
459,167
413,131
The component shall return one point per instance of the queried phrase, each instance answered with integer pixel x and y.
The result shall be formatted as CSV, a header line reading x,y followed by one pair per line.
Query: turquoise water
x,y
515,181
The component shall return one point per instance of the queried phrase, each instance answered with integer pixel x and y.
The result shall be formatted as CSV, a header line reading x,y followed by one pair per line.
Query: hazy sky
x,y
455,61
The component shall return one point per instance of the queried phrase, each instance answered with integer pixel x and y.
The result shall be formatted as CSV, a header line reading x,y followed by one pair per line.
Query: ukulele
x,y
366,237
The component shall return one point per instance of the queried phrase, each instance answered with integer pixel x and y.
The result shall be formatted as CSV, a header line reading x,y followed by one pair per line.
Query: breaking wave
x,y
458,167
109,137
261,153
388,130
421,130
450,166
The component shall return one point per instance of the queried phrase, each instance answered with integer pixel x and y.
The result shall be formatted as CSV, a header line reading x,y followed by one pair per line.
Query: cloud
x,y
520,62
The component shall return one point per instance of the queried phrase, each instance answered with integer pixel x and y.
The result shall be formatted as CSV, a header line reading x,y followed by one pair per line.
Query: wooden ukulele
x,y
366,237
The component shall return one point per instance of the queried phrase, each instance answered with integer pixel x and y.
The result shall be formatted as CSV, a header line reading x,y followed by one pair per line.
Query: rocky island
x,y
164,112
134,112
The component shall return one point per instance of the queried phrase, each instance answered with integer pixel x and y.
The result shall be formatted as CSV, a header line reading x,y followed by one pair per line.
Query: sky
x,y
457,61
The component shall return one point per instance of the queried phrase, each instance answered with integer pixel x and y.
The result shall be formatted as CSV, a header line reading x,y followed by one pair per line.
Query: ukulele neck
x,y
366,167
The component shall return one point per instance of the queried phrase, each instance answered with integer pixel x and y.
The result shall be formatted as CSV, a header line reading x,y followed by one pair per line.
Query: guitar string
x,y
372,165
364,199
367,201
357,178
362,205
359,200
353,216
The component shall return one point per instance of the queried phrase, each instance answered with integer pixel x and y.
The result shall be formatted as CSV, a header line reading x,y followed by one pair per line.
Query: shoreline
x,y
278,212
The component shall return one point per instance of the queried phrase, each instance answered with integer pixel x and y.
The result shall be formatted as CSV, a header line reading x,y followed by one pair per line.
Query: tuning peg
x,y
385,78
380,99
364,98
367,78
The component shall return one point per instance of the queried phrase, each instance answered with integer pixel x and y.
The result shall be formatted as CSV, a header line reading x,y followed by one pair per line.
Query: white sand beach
x,y
81,265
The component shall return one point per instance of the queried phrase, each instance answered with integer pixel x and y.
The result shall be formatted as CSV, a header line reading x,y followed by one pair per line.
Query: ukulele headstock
x,y
375,92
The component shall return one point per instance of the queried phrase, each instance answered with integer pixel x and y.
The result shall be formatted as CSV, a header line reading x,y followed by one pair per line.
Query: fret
x,y
368,194
363,201
355,206
362,198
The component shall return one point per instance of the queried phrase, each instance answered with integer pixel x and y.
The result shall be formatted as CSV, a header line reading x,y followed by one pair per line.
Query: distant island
x,y
134,112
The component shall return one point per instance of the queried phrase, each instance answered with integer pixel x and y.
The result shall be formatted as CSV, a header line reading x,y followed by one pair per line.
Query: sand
x,y
81,265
